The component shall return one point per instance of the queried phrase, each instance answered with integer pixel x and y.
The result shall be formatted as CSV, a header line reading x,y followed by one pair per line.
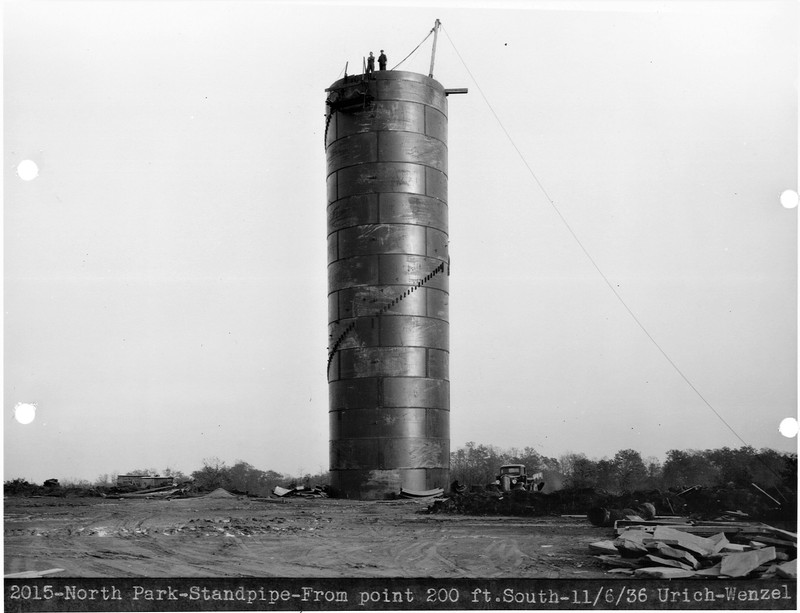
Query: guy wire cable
x,y
589,256
415,48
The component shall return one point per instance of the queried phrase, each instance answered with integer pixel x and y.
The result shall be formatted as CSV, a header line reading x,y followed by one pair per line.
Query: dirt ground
x,y
237,536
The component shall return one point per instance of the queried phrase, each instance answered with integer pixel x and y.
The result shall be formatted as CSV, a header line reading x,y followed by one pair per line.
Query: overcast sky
x,y
165,272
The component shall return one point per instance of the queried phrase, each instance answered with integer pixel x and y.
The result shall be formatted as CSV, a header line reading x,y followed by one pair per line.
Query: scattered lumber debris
x,y
300,491
788,570
603,547
742,564
161,492
663,572
687,548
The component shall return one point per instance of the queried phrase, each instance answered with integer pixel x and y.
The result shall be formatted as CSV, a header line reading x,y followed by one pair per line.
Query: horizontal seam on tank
x,y
389,223
408,101
389,408
338,200
356,378
416,255
330,204
382,437
403,285
343,319
393,438
384,377
328,176
398,347
347,257
354,134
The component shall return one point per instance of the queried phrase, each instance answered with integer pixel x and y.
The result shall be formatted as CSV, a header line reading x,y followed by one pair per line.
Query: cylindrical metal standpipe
x,y
388,267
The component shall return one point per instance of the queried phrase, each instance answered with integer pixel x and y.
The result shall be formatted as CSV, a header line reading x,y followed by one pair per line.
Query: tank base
x,y
386,484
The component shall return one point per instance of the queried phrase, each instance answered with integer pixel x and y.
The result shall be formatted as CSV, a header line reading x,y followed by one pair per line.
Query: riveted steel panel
x,y
388,301
361,332
413,209
422,480
333,308
333,251
413,92
330,126
384,116
392,423
397,331
436,244
352,272
353,394
366,484
435,184
353,150
405,331
367,301
435,123
382,177
353,211
383,453
383,362
412,147
332,188
374,239
438,304
412,87
410,269
333,367
416,392
412,77
438,364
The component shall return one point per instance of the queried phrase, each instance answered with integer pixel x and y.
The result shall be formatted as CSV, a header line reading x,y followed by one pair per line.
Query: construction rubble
x,y
300,491
677,548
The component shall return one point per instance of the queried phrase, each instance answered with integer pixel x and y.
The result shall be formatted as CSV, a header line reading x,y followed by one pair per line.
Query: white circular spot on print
x,y
27,170
789,427
789,199
25,412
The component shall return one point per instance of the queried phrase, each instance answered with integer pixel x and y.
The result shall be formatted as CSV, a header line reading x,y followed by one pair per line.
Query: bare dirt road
x,y
245,537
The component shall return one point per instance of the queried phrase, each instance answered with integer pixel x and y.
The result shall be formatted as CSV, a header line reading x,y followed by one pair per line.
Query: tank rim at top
x,y
392,75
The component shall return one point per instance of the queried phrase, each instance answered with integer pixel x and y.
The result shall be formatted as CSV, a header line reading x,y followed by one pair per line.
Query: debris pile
x,y
301,491
601,516
488,502
604,508
663,550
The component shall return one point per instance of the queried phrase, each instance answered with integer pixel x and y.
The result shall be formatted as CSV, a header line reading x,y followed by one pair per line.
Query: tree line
x,y
627,471
240,477
479,464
